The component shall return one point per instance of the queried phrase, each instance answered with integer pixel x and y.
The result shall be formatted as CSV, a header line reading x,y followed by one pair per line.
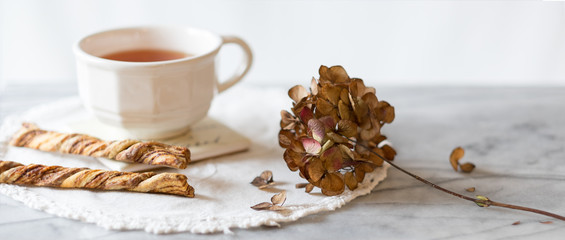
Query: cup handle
x,y
243,67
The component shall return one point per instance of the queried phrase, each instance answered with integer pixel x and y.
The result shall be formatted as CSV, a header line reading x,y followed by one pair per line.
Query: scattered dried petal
x,y
264,180
546,222
262,206
277,208
456,154
300,185
279,198
267,175
471,189
516,223
467,167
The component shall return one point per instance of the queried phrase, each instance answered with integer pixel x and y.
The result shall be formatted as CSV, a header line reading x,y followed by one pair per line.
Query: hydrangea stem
x,y
479,200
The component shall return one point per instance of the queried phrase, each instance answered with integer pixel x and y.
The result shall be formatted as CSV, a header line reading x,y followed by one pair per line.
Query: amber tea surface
x,y
145,55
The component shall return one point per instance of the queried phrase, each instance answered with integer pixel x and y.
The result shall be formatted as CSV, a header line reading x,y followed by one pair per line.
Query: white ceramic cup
x,y
158,99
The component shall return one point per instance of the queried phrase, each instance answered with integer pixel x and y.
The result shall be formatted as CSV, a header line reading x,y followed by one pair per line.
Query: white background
x,y
384,42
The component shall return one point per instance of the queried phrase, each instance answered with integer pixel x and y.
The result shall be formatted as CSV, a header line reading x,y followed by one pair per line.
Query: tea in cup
x,y
154,82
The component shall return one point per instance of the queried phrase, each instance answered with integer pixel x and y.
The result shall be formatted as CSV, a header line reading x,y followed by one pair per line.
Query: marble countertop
x,y
515,137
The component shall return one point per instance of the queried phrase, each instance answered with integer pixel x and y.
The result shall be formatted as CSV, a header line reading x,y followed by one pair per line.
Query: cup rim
x,y
80,52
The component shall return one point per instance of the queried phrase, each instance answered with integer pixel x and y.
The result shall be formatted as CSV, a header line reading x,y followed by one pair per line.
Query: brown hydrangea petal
x,y
361,169
332,159
357,88
297,107
262,206
346,152
370,90
344,96
324,106
350,181
334,74
456,154
347,128
296,146
314,86
376,159
368,134
389,114
331,93
297,93
267,175
264,180
467,167
361,111
332,184
359,174
324,74
315,169
285,138
361,150
336,138
329,123
339,74
309,188
300,185
311,146
344,112
279,198
385,112
288,121
371,100
318,130
365,167
291,157
389,152
306,114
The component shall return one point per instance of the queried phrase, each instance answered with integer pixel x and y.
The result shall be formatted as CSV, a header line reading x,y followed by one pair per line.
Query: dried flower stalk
x,y
333,137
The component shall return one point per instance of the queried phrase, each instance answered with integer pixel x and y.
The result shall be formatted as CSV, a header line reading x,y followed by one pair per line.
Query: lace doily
x,y
223,191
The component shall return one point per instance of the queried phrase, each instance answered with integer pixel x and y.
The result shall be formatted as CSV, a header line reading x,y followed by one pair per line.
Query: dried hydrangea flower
x,y
324,131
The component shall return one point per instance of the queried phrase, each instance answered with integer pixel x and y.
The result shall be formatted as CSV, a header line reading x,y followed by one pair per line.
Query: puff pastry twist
x,y
62,177
153,153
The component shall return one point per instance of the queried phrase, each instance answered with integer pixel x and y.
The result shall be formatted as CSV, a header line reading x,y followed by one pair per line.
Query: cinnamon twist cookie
x,y
62,177
152,153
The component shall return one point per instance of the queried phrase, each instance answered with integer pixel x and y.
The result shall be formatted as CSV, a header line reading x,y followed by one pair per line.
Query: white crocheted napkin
x,y
223,191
